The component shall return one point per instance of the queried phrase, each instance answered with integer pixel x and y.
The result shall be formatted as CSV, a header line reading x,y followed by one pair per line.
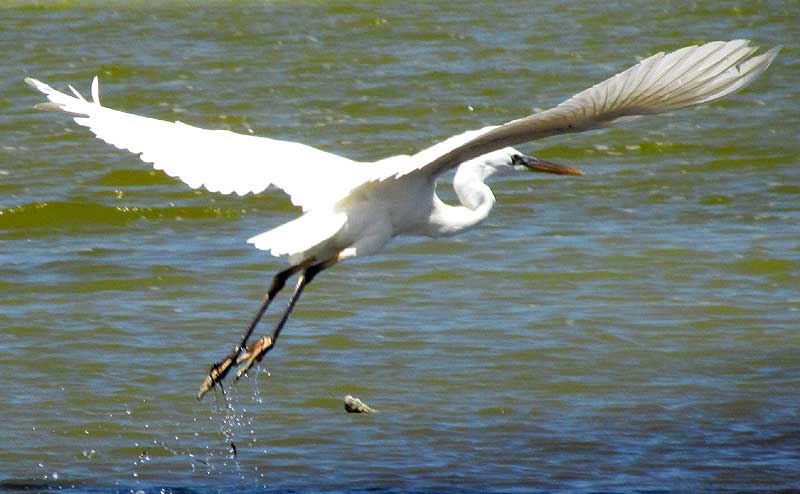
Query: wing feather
x,y
661,83
219,160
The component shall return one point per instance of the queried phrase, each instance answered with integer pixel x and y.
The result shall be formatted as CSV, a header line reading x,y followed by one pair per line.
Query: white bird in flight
x,y
354,209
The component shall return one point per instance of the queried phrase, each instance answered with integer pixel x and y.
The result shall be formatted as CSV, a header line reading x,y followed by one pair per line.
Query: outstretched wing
x,y
661,83
219,160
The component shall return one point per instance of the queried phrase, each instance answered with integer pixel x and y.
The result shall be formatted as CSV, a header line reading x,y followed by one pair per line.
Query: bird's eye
x,y
516,159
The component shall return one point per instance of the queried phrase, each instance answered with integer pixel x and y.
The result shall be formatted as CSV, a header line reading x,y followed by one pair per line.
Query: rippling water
x,y
633,330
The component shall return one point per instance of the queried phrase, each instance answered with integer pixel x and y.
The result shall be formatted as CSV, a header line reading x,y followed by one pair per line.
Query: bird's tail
x,y
302,235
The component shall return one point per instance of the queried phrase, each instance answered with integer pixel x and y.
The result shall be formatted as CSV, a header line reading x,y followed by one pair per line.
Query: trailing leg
x,y
220,369
256,352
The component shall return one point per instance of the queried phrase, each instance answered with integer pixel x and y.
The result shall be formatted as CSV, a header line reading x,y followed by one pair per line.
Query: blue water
x,y
632,330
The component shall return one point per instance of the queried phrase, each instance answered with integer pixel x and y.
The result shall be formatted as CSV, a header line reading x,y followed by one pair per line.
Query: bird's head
x,y
509,160
470,180
521,162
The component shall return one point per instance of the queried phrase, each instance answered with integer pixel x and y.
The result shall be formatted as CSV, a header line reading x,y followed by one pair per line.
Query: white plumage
x,y
352,208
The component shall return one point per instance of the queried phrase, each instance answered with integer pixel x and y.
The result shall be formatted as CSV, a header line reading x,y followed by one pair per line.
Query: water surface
x,y
632,330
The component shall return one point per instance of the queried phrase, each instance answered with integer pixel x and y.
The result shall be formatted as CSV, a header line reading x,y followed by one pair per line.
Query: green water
x,y
632,330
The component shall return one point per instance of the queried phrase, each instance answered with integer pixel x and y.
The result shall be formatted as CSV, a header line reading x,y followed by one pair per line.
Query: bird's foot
x,y
247,359
216,374
254,354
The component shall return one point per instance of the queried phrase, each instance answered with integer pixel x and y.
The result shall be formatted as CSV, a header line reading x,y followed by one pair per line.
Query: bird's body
x,y
382,210
354,209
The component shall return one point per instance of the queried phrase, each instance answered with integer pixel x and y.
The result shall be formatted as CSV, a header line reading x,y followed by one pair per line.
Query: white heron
x,y
353,209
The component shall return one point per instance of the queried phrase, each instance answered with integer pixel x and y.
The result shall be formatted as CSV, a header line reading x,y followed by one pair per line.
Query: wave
x,y
73,214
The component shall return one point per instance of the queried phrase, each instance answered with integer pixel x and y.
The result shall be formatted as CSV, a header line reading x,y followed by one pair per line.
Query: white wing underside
x,y
219,160
226,162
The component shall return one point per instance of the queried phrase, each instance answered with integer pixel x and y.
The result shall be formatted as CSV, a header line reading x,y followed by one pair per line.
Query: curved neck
x,y
476,200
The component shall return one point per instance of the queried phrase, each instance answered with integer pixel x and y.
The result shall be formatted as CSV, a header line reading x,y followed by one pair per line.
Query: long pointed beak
x,y
537,165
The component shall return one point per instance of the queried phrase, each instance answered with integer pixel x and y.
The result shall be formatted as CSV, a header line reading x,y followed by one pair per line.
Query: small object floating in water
x,y
354,405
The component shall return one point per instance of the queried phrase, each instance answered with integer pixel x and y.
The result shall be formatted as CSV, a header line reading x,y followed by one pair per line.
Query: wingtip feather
x,y
52,107
770,54
96,90
39,85
76,93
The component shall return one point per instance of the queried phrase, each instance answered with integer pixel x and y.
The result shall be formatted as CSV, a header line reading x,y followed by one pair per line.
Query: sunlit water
x,y
632,330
